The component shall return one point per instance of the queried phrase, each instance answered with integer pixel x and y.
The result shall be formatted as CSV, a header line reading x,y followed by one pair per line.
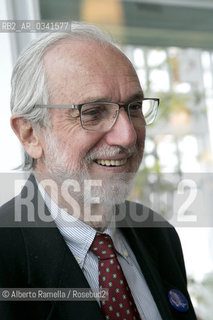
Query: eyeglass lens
x,y
102,116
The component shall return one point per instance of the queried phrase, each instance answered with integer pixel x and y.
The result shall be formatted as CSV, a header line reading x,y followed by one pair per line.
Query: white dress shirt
x,y
79,237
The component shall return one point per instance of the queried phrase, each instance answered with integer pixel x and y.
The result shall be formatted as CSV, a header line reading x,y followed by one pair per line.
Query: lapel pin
x,y
177,300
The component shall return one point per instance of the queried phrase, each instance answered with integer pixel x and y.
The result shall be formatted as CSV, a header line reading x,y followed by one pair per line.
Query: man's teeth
x,y
111,162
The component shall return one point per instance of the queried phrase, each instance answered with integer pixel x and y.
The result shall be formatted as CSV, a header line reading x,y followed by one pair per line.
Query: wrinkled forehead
x,y
89,56
73,65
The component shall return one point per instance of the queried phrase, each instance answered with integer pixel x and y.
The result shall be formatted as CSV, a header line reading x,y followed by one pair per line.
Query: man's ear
x,y
27,136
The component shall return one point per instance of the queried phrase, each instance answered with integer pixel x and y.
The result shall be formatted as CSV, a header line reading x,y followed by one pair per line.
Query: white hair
x,y
29,85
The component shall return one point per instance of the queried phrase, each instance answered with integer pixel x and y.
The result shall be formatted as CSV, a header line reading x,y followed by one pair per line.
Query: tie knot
x,y
103,247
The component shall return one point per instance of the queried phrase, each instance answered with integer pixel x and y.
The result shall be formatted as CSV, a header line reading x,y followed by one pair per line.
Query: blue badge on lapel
x,y
177,300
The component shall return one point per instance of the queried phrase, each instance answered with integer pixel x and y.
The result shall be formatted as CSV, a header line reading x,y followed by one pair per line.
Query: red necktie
x,y
120,303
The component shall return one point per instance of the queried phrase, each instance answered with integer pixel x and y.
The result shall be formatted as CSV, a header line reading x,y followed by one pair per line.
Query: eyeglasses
x,y
101,116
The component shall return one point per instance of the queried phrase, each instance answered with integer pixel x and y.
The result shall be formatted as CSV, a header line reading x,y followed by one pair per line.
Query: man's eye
x,y
98,111
135,106
91,112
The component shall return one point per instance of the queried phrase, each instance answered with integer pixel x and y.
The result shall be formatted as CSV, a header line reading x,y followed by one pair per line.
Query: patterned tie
x,y
120,303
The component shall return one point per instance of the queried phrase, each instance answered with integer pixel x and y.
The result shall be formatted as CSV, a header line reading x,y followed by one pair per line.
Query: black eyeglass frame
x,y
79,107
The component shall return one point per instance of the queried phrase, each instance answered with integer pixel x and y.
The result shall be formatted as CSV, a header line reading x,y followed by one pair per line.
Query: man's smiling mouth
x,y
111,163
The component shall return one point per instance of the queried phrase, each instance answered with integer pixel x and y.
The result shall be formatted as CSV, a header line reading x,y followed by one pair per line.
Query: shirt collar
x,y
77,234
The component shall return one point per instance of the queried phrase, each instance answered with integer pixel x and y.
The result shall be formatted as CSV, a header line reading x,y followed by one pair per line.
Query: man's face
x,y
80,72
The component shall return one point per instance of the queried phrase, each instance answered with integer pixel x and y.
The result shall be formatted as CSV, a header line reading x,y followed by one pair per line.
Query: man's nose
x,y
122,133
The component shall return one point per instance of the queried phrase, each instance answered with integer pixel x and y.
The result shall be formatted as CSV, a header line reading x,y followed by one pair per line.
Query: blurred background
x,y
170,43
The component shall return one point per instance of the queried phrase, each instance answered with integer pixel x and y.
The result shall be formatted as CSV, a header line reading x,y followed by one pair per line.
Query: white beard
x,y
108,193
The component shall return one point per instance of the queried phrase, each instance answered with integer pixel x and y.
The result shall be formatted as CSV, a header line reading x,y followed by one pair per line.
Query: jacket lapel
x,y
52,265
149,266
158,252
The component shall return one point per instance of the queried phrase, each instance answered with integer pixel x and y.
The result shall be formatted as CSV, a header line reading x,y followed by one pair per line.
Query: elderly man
x,y
80,113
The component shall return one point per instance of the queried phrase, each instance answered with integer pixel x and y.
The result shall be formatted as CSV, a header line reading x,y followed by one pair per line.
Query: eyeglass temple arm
x,y
66,106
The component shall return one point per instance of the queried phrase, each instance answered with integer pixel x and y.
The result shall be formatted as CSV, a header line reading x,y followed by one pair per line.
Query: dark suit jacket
x,y
33,254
